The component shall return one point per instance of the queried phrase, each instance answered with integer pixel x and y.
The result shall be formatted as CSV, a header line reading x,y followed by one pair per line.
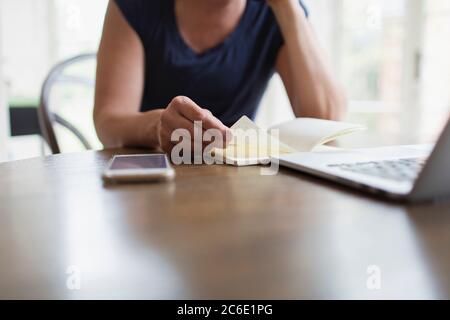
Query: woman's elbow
x,y
101,128
334,105
338,106
326,105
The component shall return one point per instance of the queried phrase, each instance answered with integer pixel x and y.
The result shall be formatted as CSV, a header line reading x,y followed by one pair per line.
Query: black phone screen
x,y
153,161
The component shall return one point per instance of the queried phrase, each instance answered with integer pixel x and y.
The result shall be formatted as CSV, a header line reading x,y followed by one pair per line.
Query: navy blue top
x,y
229,79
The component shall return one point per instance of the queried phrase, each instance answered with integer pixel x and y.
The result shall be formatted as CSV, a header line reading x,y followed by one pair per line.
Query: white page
x,y
251,144
303,134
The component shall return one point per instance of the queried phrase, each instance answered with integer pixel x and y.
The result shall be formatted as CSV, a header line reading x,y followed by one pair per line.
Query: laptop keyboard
x,y
405,170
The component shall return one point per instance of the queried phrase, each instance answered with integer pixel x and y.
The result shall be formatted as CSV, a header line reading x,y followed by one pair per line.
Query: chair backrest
x,y
66,102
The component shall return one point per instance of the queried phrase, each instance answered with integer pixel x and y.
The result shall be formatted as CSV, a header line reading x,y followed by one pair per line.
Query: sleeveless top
x,y
229,79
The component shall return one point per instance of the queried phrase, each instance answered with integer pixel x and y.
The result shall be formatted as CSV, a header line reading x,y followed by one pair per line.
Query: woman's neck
x,y
206,23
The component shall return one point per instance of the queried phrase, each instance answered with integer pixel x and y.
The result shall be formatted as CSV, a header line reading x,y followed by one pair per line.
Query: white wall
x,y
39,33
36,35
26,45
4,123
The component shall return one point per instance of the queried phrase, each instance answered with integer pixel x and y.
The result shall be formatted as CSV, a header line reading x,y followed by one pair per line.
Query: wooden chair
x,y
69,73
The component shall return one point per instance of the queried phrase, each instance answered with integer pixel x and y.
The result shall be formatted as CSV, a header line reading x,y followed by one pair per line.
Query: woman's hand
x,y
181,113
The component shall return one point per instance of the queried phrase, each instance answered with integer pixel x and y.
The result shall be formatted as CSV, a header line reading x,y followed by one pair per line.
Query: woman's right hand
x,y
181,113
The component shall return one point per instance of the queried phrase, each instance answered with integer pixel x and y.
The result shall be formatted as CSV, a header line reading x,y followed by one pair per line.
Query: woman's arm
x,y
119,90
119,87
311,87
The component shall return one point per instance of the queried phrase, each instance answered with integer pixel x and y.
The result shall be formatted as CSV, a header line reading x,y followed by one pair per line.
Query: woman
x,y
163,64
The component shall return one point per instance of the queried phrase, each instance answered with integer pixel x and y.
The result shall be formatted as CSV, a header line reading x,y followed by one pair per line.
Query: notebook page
x,y
250,144
304,134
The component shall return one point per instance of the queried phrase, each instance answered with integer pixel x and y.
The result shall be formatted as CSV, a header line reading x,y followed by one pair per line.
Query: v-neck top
x,y
228,79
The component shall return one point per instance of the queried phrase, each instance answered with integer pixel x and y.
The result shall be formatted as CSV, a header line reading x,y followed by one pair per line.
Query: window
x,y
392,58
35,35
435,80
373,34
41,33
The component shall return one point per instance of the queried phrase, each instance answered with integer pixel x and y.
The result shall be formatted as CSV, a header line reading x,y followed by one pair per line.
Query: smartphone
x,y
139,168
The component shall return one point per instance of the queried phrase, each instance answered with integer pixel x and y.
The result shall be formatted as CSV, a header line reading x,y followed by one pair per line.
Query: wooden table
x,y
215,232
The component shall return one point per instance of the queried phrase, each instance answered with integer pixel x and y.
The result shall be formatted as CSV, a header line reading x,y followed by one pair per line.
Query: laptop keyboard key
x,y
398,170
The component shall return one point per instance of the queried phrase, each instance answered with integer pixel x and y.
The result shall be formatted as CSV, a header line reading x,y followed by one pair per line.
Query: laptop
x,y
412,173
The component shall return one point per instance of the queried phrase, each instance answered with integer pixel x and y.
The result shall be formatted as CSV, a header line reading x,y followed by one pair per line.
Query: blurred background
x,y
392,56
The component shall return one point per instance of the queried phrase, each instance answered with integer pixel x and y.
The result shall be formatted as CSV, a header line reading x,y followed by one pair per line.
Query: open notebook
x,y
252,145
